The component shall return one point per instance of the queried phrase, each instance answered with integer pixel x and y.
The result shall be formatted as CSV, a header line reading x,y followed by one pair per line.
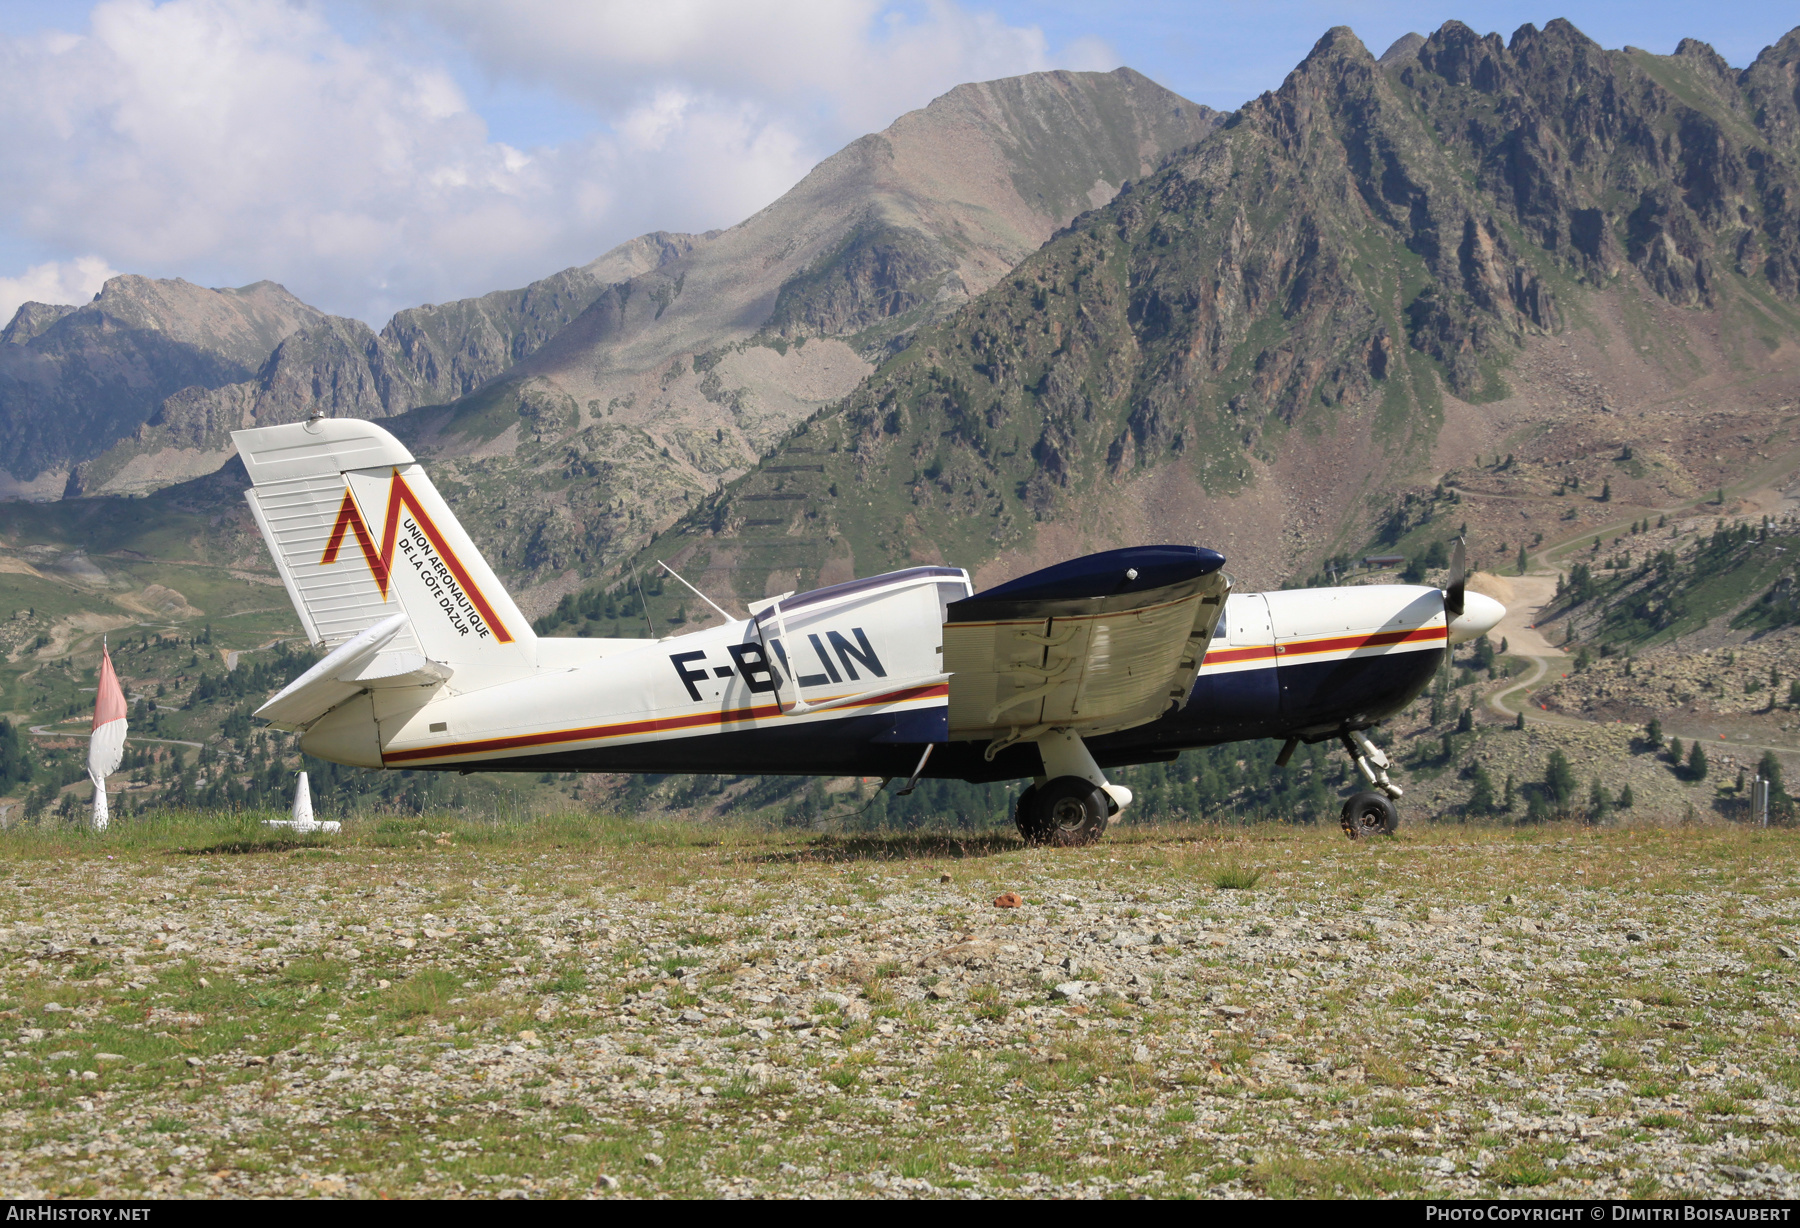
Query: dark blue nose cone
x,y
1111,573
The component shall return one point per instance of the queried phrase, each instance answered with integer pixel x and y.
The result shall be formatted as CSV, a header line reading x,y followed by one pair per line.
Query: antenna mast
x,y
643,603
690,588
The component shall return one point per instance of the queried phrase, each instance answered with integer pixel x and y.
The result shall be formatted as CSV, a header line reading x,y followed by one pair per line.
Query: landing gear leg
x,y
1372,812
1074,803
1372,763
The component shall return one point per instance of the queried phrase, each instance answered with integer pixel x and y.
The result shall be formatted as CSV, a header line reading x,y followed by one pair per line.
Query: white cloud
x,y
231,140
860,62
55,281
649,126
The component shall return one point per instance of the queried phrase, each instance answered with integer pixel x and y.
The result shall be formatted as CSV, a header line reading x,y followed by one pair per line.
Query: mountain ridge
x,y
1277,330
679,379
73,379
341,367
692,357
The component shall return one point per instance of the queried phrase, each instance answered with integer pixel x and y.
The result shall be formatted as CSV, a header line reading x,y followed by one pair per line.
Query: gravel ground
x,y
602,1011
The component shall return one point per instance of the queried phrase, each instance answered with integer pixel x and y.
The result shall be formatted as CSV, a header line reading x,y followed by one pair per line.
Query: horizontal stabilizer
x,y
350,669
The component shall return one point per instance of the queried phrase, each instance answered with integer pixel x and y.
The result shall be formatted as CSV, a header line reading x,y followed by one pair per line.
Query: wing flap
x,y
1049,651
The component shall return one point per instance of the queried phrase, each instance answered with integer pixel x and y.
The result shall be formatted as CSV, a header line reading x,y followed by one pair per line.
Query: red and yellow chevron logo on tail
x,y
349,520
381,562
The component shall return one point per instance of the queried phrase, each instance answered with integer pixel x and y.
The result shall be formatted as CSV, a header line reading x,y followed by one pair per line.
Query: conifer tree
x,y
1481,795
1697,761
1769,768
1599,801
15,764
1559,779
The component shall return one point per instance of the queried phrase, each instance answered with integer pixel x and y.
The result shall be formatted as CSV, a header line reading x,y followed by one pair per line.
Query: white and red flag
x,y
106,745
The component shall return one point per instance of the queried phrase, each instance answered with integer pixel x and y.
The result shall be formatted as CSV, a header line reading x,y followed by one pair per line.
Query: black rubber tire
x,y
1022,805
1065,813
1370,814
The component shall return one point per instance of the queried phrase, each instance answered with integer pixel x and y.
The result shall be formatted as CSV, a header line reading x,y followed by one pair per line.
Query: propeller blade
x,y
1459,574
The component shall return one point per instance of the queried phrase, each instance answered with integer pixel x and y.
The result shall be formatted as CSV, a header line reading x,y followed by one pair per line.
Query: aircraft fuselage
x,y
1306,663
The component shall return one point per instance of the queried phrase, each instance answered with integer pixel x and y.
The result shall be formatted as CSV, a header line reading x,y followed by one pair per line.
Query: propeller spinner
x,y
1467,614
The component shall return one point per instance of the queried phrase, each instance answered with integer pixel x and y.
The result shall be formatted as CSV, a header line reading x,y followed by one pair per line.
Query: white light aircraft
x,y
1129,656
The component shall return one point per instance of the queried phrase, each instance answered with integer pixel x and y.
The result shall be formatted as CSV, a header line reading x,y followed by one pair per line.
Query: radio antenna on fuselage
x,y
643,603
690,588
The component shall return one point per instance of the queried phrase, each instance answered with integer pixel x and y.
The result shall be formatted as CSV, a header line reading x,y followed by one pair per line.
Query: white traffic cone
x,y
303,818
303,812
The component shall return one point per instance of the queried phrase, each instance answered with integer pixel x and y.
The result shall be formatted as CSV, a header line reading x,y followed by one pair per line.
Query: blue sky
x,y
1227,52
373,154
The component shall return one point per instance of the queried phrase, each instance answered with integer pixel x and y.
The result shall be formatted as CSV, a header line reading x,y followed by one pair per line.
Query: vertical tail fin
x,y
359,533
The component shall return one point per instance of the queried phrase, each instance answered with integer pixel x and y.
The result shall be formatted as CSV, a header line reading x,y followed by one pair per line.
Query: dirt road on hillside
x,y
1523,596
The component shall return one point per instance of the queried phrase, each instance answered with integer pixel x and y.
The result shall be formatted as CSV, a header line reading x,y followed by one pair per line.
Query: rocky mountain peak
x,y
244,323
1339,40
76,379
1702,56
681,376
31,319
1771,86
1404,48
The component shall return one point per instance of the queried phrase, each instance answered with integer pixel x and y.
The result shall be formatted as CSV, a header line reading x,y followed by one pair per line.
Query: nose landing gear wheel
x,y
1370,814
1065,813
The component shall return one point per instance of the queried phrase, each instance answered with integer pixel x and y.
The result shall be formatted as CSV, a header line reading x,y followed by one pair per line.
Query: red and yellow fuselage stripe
x,y
659,724
1336,643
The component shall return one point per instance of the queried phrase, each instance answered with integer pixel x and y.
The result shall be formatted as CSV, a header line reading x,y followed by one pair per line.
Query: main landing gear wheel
x,y
1370,814
1065,813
